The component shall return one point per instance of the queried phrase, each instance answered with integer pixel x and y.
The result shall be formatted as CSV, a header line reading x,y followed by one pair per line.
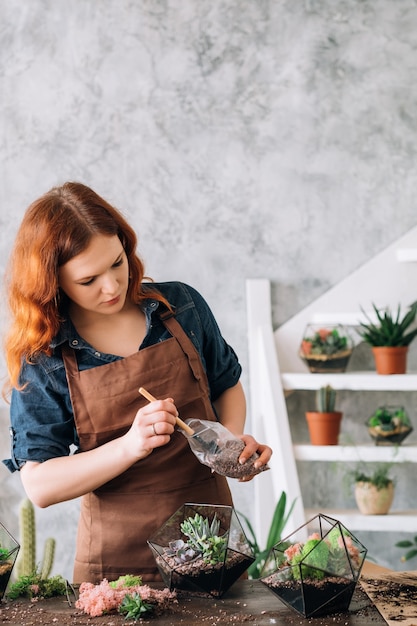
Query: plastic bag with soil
x,y
219,449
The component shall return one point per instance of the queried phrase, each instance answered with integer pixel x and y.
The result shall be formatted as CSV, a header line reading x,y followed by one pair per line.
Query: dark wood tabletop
x,y
247,601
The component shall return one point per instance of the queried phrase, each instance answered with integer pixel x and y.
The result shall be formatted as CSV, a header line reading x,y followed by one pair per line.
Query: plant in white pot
x,y
374,490
389,338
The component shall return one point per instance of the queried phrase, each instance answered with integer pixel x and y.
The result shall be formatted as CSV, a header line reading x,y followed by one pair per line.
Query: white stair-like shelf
x,y
359,381
352,454
276,370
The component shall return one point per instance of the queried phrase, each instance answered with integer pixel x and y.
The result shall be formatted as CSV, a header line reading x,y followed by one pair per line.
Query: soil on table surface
x,y
247,602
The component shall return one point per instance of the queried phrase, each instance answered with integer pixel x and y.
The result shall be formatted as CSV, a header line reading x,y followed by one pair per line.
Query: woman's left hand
x,y
252,446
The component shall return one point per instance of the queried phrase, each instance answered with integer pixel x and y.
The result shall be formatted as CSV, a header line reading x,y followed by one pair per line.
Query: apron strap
x,y
187,346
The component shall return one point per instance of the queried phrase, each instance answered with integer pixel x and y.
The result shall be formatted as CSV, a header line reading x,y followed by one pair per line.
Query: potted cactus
x,y
201,548
324,422
9,549
326,349
315,574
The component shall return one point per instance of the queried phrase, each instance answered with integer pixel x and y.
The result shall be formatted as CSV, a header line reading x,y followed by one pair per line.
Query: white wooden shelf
x,y
366,453
357,381
404,521
407,255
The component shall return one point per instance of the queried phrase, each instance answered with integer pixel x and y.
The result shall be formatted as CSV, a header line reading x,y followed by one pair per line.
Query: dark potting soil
x,y
197,576
314,597
226,461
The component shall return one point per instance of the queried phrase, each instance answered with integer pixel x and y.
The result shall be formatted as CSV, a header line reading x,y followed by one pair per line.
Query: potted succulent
x,y
324,422
315,574
390,338
389,425
201,548
374,491
9,549
326,349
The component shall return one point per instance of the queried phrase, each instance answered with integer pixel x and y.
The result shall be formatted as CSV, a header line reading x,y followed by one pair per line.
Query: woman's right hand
x,y
152,427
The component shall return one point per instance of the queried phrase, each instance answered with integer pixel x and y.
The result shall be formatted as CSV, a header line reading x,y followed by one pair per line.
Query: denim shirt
x,y
41,415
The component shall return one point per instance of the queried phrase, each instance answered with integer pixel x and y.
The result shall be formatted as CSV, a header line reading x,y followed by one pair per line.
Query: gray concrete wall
x,y
242,139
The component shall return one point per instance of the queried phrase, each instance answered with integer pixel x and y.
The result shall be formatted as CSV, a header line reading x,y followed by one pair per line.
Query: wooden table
x,y
246,601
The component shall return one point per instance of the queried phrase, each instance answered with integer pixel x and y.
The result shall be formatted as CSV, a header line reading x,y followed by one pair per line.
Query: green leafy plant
x,y
411,553
279,520
325,399
379,477
389,418
203,537
390,329
34,586
3,554
133,607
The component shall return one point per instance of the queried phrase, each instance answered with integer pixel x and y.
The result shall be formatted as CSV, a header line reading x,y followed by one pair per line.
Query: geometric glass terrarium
x,y
326,349
315,574
389,425
9,549
201,548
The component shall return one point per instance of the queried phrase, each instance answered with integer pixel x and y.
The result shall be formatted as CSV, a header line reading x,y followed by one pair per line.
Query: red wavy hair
x,y
57,227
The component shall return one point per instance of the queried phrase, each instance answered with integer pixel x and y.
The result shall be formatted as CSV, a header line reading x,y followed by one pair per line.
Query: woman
x,y
86,333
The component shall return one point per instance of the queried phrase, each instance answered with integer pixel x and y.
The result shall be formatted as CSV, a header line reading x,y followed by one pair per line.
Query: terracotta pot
x,y
373,501
390,359
324,428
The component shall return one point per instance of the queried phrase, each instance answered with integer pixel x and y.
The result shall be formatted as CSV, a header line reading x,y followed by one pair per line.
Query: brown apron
x,y
117,519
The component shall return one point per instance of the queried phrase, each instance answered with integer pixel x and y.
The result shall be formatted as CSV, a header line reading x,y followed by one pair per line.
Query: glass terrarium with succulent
x,y
315,574
326,348
9,549
201,548
389,425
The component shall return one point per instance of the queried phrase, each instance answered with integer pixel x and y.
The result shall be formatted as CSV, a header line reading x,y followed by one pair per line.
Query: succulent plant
x,y
204,538
181,551
325,341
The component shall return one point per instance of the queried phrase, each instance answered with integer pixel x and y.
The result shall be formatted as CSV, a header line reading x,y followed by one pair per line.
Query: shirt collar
x,y
67,331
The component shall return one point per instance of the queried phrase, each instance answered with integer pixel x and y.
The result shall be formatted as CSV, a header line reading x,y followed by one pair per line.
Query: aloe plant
x,y
278,523
390,330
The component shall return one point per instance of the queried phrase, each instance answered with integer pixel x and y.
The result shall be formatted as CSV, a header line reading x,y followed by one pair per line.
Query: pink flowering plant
x,y
315,573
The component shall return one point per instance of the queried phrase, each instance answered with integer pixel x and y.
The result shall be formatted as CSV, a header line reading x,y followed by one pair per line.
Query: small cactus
x,y
26,564
325,399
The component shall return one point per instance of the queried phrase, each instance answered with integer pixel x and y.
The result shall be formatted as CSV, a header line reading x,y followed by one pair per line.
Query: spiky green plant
x,y
203,537
390,330
133,607
325,399
279,520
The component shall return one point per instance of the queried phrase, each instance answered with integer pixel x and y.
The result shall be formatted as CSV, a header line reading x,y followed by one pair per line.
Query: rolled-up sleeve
x,y
41,419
